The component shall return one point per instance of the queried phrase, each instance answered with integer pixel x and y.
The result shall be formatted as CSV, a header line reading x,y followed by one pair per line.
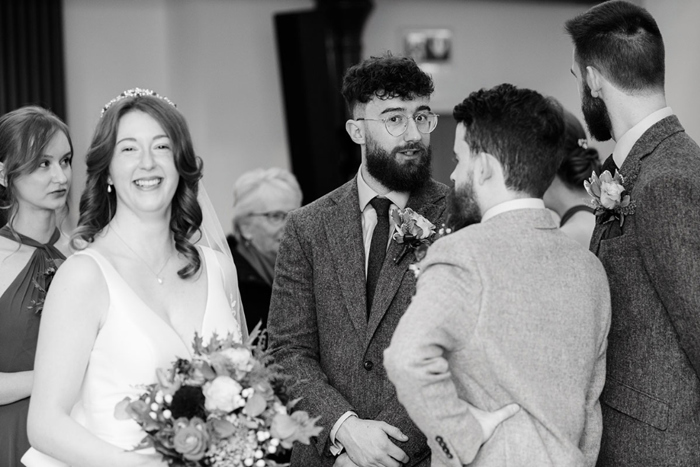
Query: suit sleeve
x,y
668,219
589,444
293,334
447,300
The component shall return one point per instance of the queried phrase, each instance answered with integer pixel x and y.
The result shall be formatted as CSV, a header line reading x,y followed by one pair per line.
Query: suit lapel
x,y
426,203
632,165
343,225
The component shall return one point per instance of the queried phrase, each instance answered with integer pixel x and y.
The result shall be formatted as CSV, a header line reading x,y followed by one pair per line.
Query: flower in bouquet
x,y
224,407
411,230
609,197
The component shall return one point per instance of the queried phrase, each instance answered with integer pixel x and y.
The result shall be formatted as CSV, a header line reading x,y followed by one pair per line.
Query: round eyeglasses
x,y
276,217
397,123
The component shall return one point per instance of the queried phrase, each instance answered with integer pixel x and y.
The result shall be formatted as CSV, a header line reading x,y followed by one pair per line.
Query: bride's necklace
x,y
159,278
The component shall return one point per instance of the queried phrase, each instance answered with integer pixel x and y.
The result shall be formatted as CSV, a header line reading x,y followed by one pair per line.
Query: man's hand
x,y
343,460
367,443
489,421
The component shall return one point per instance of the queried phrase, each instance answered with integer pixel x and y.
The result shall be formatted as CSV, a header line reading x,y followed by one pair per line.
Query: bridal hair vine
x,y
135,92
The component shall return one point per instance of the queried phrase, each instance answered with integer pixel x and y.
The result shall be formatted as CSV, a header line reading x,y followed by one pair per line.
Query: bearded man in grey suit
x,y
651,400
328,324
508,310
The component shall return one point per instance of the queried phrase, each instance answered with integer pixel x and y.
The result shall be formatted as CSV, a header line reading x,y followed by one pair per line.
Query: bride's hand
x,y
144,460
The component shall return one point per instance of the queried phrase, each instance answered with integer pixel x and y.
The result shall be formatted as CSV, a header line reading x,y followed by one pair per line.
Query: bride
x,y
133,296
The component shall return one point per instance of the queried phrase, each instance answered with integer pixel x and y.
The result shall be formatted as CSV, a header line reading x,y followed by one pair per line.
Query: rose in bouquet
x,y
225,407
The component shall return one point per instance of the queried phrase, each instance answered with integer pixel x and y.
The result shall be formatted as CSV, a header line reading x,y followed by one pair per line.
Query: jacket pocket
x,y
637,404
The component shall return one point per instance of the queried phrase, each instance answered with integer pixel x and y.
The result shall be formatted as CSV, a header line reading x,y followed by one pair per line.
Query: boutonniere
x,y
41,282
609,197
410,230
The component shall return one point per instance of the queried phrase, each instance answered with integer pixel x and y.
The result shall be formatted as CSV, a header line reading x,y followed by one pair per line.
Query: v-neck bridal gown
x,y
132,343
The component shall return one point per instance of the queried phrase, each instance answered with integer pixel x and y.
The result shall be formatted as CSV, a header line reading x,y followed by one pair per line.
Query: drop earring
x,y
109,188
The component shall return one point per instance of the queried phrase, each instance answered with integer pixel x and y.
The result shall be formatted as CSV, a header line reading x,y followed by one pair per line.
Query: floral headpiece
x,y
583,142
135,92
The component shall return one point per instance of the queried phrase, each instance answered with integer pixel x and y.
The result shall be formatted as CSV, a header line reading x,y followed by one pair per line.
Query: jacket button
x,y
368,365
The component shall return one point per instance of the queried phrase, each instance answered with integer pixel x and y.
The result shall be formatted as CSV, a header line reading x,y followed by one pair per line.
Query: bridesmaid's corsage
x,y
41,282
224,407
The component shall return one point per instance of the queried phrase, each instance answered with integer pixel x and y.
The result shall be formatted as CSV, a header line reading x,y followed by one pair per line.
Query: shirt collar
x,y
366,194
628,140
512,205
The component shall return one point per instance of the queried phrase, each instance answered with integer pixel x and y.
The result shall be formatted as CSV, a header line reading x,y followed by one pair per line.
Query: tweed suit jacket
x,y
509,310
651,400
318,327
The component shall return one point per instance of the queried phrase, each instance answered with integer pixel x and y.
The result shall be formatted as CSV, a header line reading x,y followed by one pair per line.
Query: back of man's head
x,y
623,42
521,128
385,77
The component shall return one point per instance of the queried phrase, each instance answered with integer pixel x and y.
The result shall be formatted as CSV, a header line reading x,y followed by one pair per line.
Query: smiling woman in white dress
x,y
131,300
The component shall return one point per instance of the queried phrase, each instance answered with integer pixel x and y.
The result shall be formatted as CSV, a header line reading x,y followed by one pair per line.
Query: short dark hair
x,y
579,161
385,77
623,42
521,128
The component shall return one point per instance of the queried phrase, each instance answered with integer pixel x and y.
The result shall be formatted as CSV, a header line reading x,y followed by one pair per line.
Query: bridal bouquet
x,y
225,407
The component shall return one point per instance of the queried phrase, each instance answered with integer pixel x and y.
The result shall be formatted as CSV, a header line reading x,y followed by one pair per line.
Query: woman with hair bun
x,y
566,195
35,178
131,299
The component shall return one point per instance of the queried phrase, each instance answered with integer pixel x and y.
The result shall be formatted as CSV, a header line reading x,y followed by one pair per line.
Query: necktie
x,y
609,165
377,249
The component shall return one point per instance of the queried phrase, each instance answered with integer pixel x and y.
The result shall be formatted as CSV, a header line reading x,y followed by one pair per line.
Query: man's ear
x,y
594,80
356,131
483,167
3,182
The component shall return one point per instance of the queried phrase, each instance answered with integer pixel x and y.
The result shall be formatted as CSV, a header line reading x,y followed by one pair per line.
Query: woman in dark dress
x,y
566,195
261,200
35,178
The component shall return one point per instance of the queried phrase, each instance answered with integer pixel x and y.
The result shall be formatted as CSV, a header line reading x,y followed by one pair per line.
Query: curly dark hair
x,y
385,77
24,134
623,41
97,206
578,161
521,128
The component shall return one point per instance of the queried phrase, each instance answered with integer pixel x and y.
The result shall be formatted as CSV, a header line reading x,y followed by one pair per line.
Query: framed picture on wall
x,y
429,46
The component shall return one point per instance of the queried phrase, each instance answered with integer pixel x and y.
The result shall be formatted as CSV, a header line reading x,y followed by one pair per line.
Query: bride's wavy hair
x,y
97,205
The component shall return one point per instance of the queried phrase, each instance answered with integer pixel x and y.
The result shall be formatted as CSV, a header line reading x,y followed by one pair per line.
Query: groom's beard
x,y
462,209
596,115
405,176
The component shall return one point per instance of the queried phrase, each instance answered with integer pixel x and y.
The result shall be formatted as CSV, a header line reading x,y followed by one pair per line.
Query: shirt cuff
x,y
336,447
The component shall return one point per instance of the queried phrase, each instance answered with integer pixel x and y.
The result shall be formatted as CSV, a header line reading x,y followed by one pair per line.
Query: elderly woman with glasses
x,y
261,200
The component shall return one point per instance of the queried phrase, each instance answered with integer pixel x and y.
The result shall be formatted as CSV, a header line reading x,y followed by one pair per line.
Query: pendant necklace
x,y
158,276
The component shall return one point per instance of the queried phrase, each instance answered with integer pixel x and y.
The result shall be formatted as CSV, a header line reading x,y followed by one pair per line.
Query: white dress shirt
x,y
369,222
512,205
628,140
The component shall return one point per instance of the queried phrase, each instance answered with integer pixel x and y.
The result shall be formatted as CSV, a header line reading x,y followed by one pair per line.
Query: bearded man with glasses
x,y
341,284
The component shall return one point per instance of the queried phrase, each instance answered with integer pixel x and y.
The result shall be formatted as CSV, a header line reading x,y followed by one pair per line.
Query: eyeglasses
x,y
276,217
396,124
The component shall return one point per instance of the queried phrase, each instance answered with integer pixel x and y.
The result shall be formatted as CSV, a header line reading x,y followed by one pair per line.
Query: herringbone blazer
x,y
507,311
318,327
651,400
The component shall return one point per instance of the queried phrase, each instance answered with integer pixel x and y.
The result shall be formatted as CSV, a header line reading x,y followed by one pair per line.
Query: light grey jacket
x,y
318,325
509,310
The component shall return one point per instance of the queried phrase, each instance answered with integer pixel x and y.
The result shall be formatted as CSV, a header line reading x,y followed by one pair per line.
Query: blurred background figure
x,y
261,200
35,178
566,195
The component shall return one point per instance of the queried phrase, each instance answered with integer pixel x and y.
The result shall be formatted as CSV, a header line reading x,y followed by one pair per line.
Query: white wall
x,y
216,59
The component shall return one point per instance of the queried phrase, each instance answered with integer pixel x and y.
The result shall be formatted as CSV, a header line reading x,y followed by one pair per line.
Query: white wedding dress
x,y
132,343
